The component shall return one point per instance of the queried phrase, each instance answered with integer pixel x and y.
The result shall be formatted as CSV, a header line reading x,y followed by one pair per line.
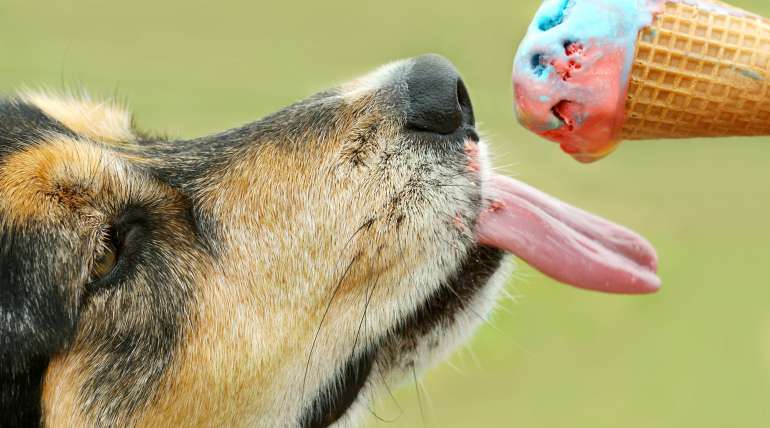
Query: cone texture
x,y
700,72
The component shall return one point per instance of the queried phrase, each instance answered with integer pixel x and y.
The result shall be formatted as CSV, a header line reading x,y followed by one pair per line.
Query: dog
x,y
277,274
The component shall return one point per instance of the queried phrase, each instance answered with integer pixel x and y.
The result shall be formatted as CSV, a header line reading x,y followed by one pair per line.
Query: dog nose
x,y
438,99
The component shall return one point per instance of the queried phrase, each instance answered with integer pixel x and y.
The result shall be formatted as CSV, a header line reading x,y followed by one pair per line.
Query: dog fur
x,y
277,274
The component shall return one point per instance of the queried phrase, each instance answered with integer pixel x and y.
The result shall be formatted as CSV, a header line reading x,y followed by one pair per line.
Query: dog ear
x,y
38,311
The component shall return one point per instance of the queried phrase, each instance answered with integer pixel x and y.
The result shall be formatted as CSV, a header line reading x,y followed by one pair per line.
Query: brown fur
x,y
272,255
100,121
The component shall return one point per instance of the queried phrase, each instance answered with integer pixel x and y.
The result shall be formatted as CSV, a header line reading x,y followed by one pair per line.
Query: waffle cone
x,y
700,71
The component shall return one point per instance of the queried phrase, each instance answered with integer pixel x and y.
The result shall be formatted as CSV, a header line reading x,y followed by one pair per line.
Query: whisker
x,y
390,391
323,318
419,395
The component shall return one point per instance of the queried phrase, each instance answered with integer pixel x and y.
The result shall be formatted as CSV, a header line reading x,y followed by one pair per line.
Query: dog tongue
x,y
564,242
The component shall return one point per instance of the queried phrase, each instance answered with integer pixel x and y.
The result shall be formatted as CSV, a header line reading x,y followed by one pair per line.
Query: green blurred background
x,y
695,354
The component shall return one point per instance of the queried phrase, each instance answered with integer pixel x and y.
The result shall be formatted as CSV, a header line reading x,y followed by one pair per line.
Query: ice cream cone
x,y
702,69
592,73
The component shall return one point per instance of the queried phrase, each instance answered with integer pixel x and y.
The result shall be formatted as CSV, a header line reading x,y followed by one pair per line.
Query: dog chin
x,y
446,321
451,315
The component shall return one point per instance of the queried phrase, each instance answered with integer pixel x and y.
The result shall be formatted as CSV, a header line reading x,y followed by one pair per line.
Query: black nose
x,y
438,99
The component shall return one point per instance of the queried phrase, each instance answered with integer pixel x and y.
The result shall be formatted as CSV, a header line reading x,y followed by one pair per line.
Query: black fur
x,y
450,300
20,395
332,403
23,124
37,313
34,322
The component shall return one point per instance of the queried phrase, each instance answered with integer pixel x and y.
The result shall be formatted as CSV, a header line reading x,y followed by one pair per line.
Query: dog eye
x,y
105,260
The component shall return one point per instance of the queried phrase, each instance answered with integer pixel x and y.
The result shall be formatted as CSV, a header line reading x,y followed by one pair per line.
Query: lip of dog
x,y
277,274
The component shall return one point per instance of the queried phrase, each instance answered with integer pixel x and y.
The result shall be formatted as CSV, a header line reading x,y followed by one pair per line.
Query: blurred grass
x,y
696,354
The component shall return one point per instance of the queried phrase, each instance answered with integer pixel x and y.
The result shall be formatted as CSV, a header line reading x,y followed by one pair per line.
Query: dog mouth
x,y
564,242
570,245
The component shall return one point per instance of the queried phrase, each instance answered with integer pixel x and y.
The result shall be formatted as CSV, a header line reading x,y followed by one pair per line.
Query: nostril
x,y
464,101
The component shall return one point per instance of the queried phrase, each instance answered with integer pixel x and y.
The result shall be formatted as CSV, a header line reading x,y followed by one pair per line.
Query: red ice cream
x,y
571,72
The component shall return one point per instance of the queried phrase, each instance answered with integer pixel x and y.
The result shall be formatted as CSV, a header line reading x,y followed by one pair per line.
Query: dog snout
x,y
438,99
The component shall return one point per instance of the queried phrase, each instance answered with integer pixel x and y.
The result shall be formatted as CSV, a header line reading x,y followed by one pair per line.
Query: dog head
x,y
278,274
275,274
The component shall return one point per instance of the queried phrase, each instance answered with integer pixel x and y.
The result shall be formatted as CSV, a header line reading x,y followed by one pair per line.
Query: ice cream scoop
x,y
591,73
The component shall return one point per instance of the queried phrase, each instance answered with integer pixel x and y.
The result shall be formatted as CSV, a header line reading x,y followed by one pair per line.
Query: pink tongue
x,y
564,242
